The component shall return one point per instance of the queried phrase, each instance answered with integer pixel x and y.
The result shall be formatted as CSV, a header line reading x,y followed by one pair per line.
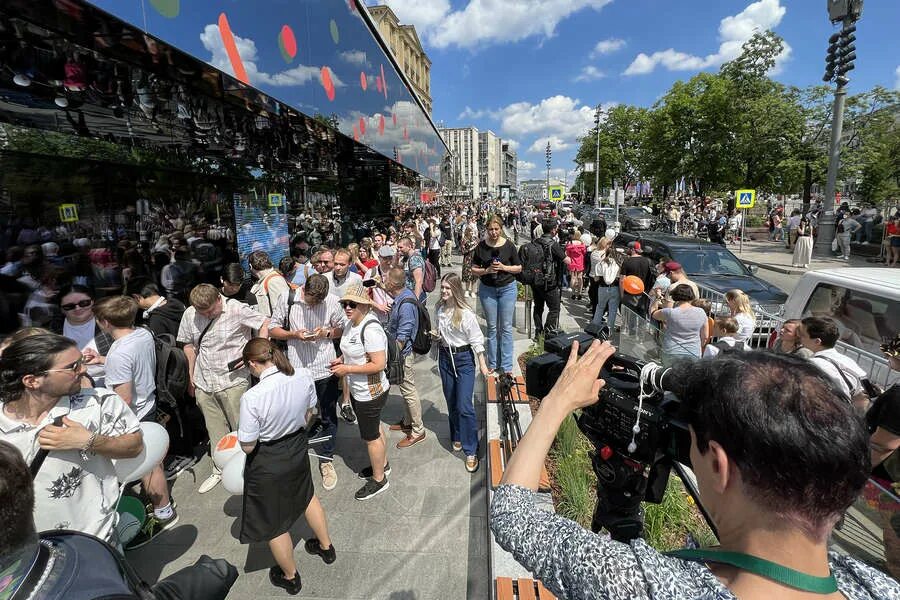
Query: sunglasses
x,y
74,305
72,368
348,304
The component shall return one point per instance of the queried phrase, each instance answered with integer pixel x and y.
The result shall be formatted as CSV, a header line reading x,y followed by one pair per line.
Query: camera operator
x,y
778,454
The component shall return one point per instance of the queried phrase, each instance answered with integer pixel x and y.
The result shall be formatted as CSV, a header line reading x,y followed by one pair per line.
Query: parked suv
x,y
709,265
635,218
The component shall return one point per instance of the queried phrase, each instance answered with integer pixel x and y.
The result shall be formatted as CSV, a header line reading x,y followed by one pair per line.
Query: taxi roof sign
x,y
744,198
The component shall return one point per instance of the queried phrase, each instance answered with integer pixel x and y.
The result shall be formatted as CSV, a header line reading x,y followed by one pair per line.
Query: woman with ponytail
x,y
278,487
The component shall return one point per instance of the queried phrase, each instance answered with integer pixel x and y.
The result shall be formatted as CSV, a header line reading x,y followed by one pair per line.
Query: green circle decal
x,y
335,34
167,8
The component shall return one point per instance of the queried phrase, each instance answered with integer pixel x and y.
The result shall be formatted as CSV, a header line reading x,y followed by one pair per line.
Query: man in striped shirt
x,y
310,319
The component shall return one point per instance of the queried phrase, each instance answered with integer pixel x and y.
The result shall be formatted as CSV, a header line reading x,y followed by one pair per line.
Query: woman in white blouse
x,y
278,487
461,341
742,311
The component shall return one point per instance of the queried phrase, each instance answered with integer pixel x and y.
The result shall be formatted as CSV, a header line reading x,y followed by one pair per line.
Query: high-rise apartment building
x,y
404,43
490,162
509,166
465,164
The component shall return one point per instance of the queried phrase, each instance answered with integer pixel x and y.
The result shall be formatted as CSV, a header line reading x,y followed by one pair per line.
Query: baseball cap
x,y
672,266
636,246
387,251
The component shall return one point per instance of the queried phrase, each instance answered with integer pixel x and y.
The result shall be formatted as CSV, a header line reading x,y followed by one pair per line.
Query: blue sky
x,y
532,70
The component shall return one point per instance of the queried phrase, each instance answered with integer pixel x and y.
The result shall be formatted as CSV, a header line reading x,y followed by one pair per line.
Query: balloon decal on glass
x,y
383,82
362,126
237,65
327,83
167,8
335,34
287,43
363,81
381,125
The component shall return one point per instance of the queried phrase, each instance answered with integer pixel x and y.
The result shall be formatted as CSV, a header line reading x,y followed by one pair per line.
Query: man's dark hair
x,y
823,328
75,289
233,273
802,451
548,225
682,293
286,264
28,356
316,287
259,261
16,500
141,286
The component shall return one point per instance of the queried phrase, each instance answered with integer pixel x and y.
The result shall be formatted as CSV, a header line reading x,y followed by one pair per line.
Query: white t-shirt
x,y
132,359
84,337
277,405
364,388
746,325
826,359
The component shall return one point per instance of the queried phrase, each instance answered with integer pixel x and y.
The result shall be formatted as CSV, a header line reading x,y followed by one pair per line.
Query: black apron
x,y
277,487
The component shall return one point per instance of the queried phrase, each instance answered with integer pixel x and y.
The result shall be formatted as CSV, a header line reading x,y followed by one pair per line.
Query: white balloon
x,y
156,443
233,474
610,234
226,448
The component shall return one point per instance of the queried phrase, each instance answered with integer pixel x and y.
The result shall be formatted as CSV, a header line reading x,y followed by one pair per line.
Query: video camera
x,y
635,429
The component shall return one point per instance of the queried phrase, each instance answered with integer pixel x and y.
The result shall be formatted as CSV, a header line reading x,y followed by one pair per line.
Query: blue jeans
x,y
459,387
607,298
327,395
498,304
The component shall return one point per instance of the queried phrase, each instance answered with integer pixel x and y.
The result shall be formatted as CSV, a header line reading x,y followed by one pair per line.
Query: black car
x,y
634,218
709,265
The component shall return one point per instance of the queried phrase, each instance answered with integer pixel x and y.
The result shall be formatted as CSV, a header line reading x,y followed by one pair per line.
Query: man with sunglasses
x,y
67,435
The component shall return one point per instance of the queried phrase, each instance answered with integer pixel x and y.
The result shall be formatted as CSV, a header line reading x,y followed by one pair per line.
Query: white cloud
x,y
355,57
556,143
513,144
469,113
733,32
559,116
486,22
590,73
524,165
246,47
607,46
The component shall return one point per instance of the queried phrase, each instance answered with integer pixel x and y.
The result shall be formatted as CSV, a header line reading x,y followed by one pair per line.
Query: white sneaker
x,y
211,482
329,475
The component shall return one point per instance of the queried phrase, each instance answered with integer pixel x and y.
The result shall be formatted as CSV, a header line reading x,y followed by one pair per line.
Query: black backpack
x,y
171,369
394,368
538,264
421,340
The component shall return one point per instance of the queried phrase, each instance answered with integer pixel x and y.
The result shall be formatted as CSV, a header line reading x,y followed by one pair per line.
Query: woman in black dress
x,y
278,487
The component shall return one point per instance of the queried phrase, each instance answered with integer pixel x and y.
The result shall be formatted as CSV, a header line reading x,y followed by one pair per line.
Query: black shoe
x,y
347,414
151,529
312,546
367,472
372,489
292,586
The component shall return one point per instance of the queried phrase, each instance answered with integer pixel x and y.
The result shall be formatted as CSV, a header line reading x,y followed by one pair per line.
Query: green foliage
x,y
667,525
573,475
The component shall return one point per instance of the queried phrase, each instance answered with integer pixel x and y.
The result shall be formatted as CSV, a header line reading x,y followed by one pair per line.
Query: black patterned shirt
x,y
576,563
70,493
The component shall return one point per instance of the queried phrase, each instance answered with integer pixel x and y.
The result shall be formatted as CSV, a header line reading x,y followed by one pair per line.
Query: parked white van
x,y
865,302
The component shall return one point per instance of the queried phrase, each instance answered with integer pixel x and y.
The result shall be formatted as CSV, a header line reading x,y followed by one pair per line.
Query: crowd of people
x,y
277,352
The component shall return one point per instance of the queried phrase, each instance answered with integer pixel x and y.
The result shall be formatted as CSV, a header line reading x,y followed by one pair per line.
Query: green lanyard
x,y
765,568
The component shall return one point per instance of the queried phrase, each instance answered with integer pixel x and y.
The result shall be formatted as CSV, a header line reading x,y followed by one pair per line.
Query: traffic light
x,y
841,54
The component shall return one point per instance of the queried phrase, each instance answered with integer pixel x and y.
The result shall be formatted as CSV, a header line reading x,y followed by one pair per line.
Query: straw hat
x,y
356,293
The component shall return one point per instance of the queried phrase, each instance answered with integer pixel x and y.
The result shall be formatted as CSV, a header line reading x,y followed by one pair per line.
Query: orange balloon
x,y
633,285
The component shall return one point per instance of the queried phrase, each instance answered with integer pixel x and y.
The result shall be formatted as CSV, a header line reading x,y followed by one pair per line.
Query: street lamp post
x,y
549,153
597,160
838,62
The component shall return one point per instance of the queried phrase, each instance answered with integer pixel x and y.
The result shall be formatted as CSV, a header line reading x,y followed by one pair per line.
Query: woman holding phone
x,y
278,487
461,344
496,262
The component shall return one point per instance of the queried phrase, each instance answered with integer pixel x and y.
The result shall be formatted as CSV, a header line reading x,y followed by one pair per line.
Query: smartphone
x,y
309,335
495,260
369,283
236,364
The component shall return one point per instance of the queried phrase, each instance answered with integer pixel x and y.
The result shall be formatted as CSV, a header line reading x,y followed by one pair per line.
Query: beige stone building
x,y
404,43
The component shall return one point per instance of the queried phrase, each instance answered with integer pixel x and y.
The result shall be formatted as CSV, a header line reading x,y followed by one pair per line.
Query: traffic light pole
x,y
825,229
597,162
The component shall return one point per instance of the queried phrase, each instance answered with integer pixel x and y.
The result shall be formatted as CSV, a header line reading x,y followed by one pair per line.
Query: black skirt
x,y
277,487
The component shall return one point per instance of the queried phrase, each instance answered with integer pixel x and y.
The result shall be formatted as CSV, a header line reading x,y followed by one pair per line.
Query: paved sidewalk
x,y
775,257
425,538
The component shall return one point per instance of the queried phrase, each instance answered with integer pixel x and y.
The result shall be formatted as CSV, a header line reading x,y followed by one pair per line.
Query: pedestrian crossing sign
x,y
556,193
276,200
745,198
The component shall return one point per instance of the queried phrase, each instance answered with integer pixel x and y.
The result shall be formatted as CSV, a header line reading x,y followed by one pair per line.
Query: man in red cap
x,y
678,277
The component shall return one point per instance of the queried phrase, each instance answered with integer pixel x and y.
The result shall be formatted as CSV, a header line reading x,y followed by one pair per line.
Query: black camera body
x,y
635,429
